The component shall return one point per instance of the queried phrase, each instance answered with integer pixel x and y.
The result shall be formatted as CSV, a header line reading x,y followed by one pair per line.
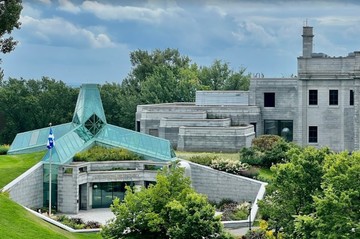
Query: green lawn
x,y
12,166
264,173
187,155
15,221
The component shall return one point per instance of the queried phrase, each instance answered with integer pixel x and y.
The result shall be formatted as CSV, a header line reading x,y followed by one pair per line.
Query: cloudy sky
x,y
90,41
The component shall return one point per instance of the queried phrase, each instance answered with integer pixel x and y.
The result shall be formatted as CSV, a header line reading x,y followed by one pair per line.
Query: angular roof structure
x,y
89,127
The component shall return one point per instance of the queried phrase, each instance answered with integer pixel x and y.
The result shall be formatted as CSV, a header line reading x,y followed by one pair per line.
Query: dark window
x,y
283,128
333,97
313,97
351,97
313,134
269,99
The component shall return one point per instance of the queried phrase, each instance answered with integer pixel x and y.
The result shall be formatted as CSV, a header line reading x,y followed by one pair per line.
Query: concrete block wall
x,y
286,99
169,128
68,191
27,189
215,139
222,97
330,119
219,185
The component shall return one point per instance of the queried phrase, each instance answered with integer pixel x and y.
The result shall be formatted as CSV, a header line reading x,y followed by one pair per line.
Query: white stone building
x,y
319,107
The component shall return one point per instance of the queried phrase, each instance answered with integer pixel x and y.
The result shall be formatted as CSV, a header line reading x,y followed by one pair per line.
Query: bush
x,y
229,166
4,149
233,211
265,142
250,173
251,156
98,153
203,160
77,223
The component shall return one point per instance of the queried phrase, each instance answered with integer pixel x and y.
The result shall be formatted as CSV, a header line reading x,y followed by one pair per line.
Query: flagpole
x,y
50,181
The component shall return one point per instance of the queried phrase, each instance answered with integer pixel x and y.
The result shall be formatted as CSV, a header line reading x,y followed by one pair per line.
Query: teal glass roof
x,y
35,140
87,128
88,104
146,145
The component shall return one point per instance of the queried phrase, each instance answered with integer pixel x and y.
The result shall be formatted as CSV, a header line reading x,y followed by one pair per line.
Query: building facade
x,y
319,107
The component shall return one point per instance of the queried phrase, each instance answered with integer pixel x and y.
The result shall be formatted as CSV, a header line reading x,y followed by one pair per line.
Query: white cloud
x,y
68,6
47,2
121,13
64,33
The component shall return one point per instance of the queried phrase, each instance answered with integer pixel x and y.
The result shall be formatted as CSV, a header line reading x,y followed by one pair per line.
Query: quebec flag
x,y
51,140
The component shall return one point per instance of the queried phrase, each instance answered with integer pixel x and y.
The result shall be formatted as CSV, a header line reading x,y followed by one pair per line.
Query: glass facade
x,y
54,174
104,193
283,128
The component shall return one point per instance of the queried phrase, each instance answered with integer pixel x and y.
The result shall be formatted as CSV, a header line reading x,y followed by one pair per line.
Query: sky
x,y
91,41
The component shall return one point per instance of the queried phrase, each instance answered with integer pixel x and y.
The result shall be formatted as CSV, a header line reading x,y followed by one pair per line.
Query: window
x,y
333,97
283,128
269,99
313,97
351,97
313,134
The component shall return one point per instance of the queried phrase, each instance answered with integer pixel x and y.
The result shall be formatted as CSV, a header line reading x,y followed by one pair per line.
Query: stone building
x,y
319,107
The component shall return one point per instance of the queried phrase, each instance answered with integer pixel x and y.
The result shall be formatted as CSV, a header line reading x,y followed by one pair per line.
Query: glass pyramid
x,y
88,128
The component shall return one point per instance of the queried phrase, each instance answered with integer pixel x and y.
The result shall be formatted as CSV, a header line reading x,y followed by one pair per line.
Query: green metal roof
x,y
89,127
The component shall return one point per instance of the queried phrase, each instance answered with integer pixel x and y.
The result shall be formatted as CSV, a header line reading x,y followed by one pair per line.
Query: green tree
x,y
219,76
168,209
337,208
9,19
32,104
292,190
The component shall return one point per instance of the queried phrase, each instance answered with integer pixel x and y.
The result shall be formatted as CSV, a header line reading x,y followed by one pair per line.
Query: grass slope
x,y
12,166
15,221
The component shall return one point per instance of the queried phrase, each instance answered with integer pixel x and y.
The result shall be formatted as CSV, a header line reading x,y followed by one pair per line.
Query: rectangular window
x,y
333,97
313,134
283,128
269,99
351,97
313,97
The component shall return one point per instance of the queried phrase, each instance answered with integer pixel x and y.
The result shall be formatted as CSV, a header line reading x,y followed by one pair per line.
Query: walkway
x,y
102,215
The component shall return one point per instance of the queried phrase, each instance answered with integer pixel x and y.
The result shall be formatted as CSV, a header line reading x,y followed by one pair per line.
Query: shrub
x,y
250,173
265,142
203,160
98,153
4,149
251,156
234,211
77,223
229,166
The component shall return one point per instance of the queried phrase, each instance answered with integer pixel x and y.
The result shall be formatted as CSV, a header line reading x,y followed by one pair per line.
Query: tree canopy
x,y
9,19
315,195
32,104
169,209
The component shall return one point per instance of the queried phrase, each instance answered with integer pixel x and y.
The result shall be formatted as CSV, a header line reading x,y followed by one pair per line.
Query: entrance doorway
x,y
104,193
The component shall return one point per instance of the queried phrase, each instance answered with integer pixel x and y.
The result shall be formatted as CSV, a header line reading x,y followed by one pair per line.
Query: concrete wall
x,y
169,128
215,139
81,176
27,189
218,185
331,120
286,100
222,97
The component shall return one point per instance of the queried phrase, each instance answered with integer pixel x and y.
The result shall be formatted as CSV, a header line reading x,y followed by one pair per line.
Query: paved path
x,y
102,215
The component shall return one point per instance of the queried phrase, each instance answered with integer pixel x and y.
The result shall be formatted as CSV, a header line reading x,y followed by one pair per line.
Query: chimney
x,y
307,41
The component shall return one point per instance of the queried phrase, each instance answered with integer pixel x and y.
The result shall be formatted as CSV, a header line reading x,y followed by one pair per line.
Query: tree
x,y
9,19
168,209
219,76
292,190
33,104
337,208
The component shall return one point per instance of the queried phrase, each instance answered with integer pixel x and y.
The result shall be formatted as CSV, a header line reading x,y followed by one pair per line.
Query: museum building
x,y
319,107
